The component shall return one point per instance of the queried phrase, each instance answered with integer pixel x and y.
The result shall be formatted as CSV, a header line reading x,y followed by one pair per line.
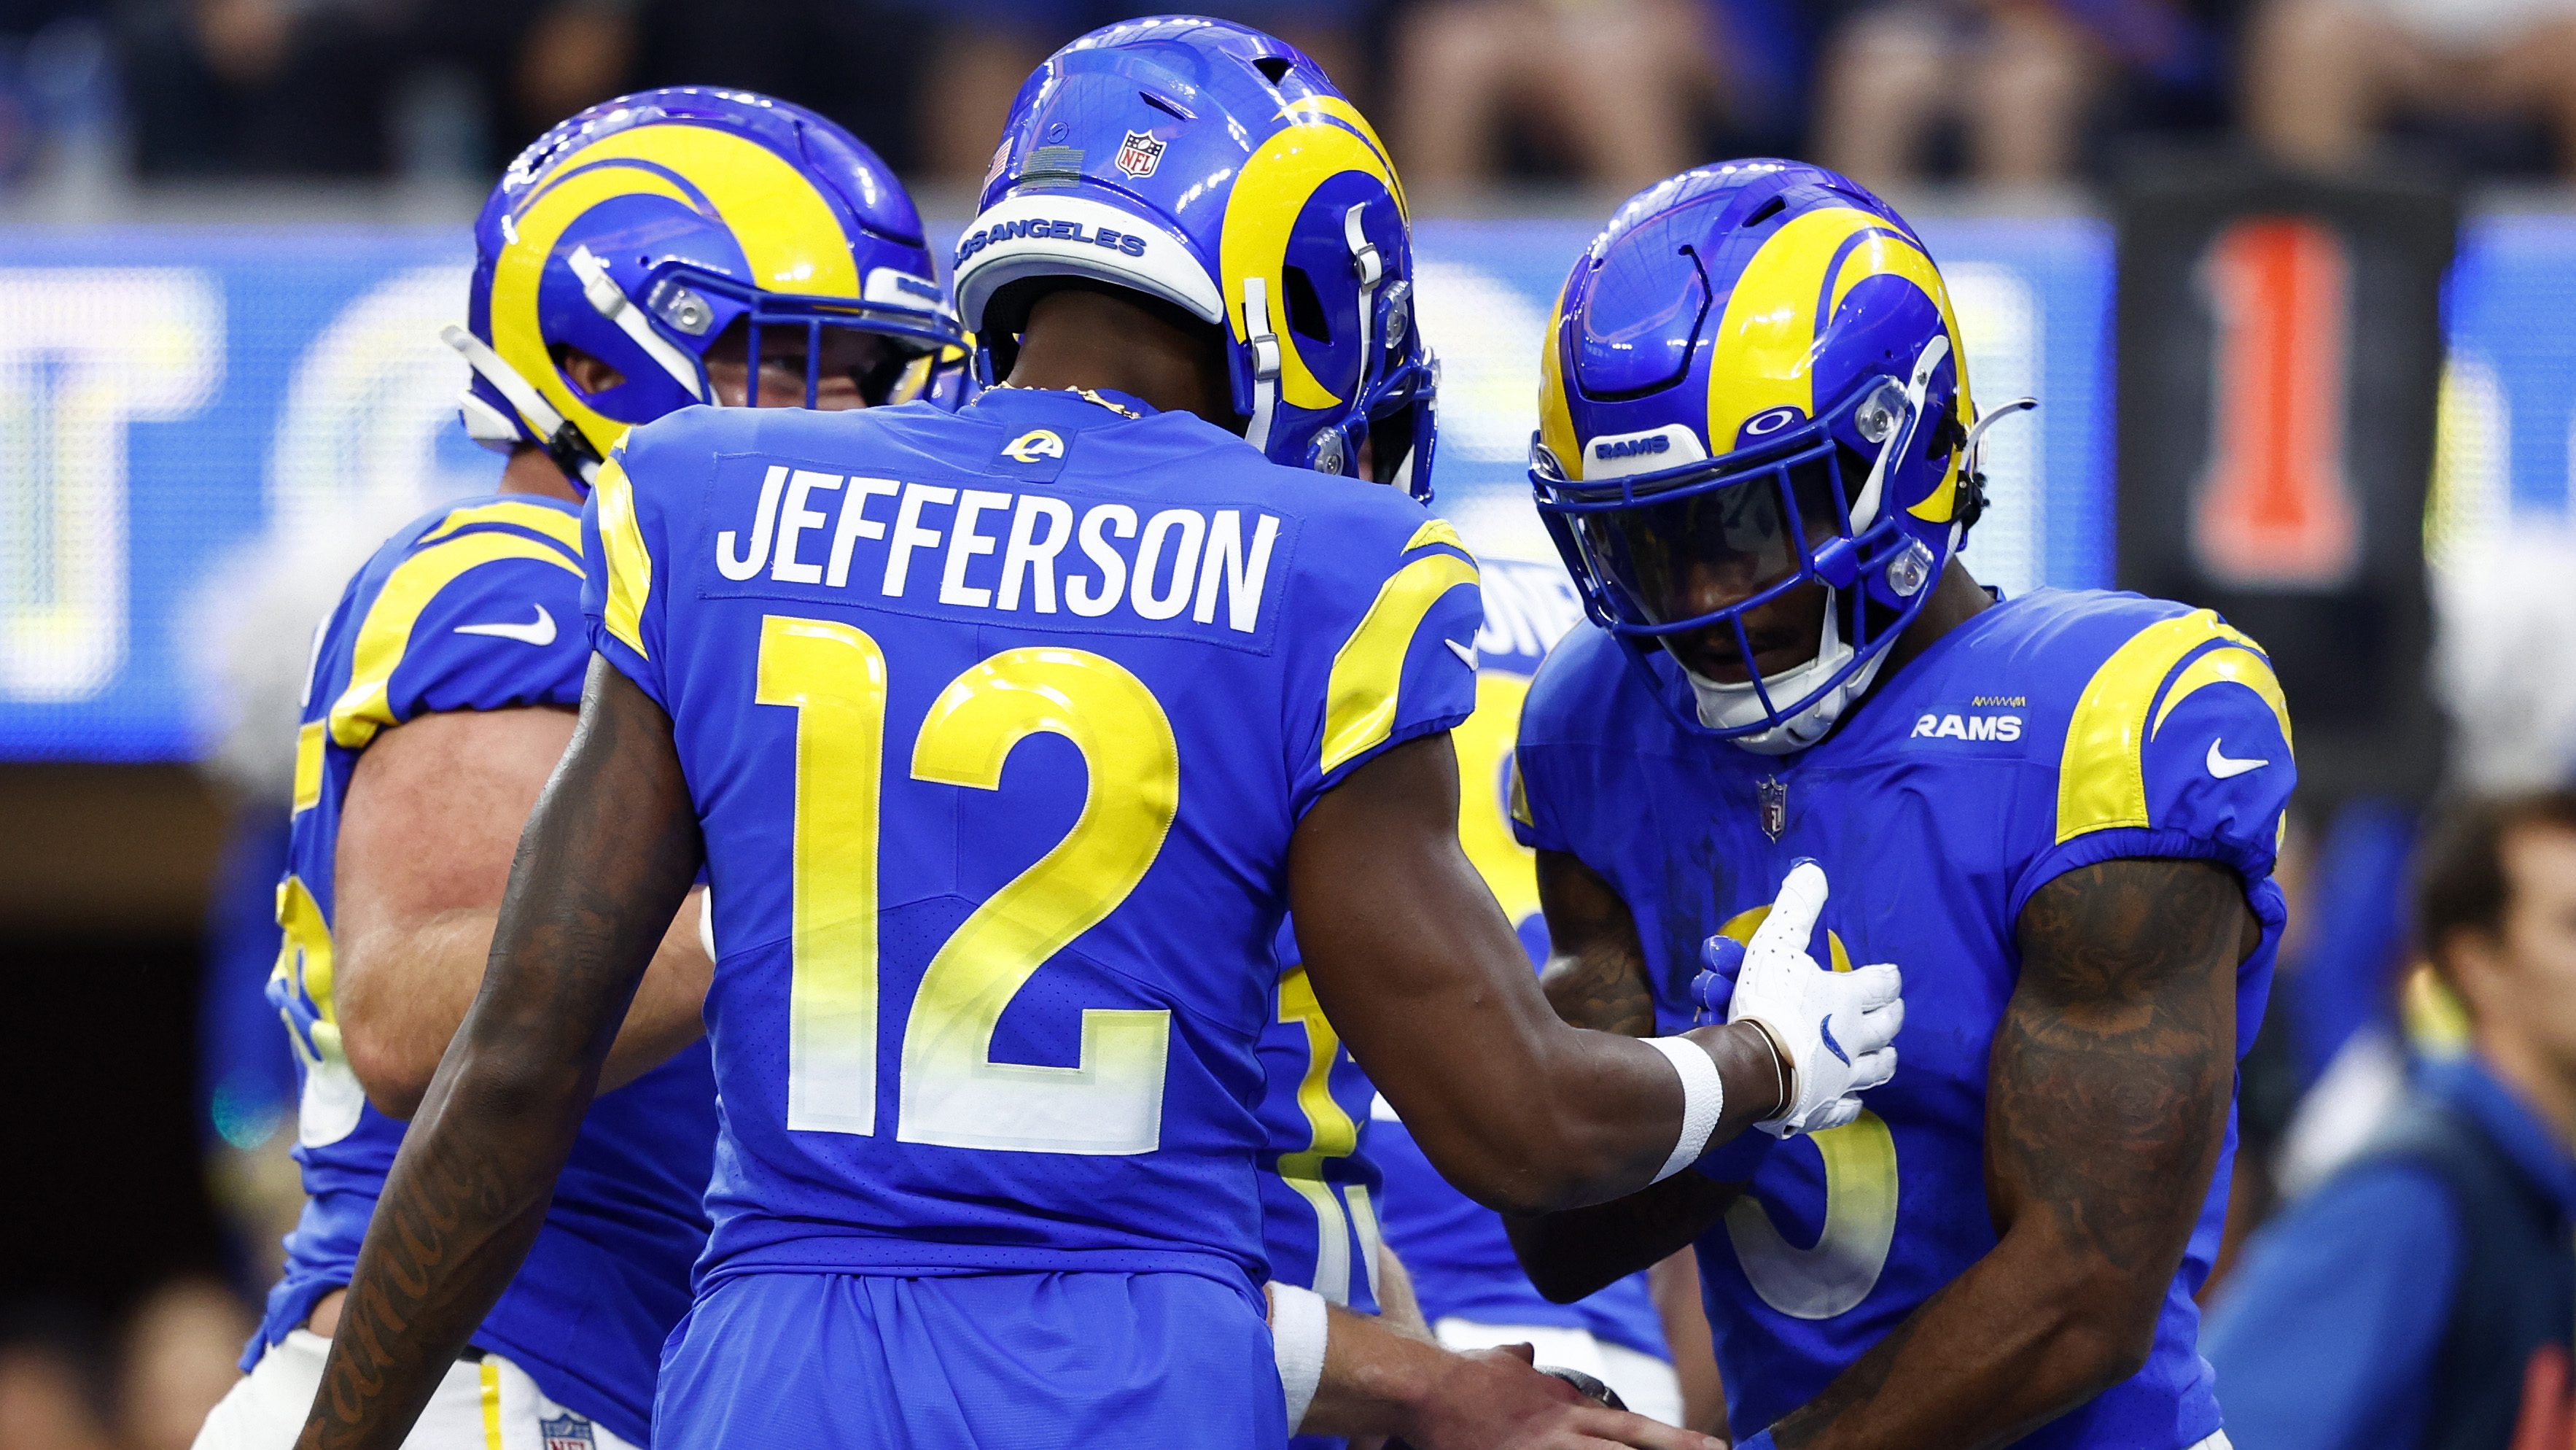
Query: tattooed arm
x,y
1597,978
608,854
2106,1104
1596,974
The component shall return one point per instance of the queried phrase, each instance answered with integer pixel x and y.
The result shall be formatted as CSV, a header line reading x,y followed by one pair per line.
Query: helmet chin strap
x,y
608,300
562,441
1865,508
1723,706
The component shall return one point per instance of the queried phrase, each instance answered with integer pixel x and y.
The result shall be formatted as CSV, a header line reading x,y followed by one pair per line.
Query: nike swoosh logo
x,y
1466,653
2222,767
539,631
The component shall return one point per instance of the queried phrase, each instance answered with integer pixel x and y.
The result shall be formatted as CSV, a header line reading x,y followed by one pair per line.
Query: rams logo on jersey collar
x,y
1034,446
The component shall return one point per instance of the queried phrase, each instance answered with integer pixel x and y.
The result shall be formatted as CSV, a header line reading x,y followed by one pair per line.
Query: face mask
x,y
1725,707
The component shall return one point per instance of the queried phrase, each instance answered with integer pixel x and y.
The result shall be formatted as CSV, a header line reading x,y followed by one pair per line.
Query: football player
x,y
1757,453
1005,738
629,264
1458,1260
1376,1369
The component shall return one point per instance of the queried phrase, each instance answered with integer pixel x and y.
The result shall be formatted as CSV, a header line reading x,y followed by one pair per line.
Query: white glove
x,y
1835,1030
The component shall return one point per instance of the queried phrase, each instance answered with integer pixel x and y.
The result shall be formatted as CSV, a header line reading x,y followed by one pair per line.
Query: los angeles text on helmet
x,y
1041,227
989,549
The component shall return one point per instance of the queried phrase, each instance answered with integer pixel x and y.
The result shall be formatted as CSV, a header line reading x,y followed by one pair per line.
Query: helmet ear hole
x,y
590,375
1305,309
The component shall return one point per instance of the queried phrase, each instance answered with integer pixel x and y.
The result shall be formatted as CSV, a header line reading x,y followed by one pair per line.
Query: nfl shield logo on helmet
x,y
1140,153
567,1432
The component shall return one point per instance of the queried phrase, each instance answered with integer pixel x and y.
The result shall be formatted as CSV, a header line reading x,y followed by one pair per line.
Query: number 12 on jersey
x,y
951,1092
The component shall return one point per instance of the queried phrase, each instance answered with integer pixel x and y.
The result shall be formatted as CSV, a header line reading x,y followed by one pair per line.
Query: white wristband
x,y
1703,1100
1298,1328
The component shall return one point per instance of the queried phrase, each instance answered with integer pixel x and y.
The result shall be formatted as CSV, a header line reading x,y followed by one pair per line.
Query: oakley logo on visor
x,y
1772,420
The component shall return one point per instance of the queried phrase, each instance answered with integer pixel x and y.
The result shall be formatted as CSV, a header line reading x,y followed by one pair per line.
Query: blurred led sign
x,y
176,402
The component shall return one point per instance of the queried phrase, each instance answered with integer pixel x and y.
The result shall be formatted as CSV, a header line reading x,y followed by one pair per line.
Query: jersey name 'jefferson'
x,y
981,548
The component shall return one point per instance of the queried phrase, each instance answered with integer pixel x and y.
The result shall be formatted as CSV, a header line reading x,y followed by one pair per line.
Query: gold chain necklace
x,y
1085,394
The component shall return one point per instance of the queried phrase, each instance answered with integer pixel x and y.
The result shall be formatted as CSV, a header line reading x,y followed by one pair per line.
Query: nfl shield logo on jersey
x,y
567,1432
1140,153
1775,806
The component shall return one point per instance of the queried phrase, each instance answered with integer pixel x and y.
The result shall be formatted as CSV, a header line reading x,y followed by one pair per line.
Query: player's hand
x,y
1493,1399
317,1039
1835,1031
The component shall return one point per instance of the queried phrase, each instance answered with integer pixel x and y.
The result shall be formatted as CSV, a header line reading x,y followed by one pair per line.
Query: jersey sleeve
x,y
622,599
1555,779
1403,656
2177,745
481,613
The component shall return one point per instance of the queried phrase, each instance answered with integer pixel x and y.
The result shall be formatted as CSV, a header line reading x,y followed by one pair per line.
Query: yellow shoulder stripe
x,y
629,563
2101,779
2231,664
308,767
1436,531
1368,670
555,524
362,709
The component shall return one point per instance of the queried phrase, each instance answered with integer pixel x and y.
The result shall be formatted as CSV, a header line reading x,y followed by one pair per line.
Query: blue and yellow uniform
x,y
477,607
1319,1172
1319,1182
997,725
1456,1250
2047,733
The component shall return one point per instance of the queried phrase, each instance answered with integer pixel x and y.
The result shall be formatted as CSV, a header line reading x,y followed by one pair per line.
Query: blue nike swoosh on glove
x,y
1825,1030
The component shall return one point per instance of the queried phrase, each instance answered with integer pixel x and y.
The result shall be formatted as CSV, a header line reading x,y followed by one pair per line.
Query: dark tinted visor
x,y
1710,548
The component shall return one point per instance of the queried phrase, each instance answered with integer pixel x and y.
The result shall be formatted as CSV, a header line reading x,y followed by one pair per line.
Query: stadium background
x,y
230,230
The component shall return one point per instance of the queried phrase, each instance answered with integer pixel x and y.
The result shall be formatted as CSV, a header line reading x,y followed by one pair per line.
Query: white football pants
x,y
492,1405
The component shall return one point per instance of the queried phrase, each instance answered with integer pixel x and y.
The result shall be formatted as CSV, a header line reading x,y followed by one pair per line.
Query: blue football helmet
x,y
1754,374
643,228
1215,168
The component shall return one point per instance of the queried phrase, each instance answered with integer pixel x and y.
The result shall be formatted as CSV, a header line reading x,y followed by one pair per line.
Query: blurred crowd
x,y
1607,94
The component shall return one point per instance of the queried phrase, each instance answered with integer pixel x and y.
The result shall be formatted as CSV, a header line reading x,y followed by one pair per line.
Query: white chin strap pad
x,y
1265,362
1724,706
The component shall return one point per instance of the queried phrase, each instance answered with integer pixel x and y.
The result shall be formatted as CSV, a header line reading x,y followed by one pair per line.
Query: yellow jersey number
x,y
950,1091
1331,1134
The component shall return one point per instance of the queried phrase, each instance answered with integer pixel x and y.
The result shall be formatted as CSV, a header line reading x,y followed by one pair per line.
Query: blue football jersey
x,y
997,724
2050,732
1456,1250
1319,1179
478,607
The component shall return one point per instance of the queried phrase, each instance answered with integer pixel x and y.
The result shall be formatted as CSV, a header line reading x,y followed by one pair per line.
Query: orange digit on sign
x,y
2275,506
